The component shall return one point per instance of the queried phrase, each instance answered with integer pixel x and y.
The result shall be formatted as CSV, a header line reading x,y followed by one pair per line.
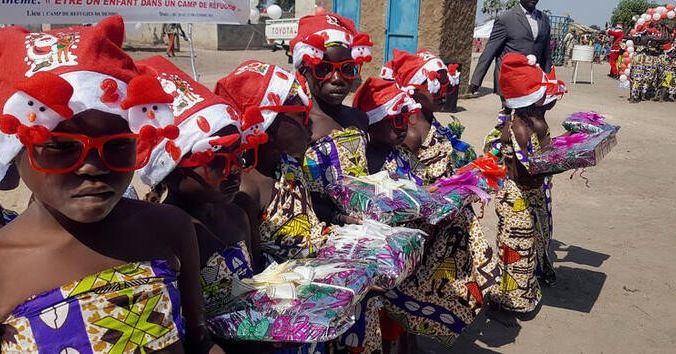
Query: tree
x,y
492,8
626,9
511,3
595,27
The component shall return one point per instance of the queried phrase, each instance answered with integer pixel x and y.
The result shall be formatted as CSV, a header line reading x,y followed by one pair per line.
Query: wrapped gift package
x,y
382,198
300,301
396,251
570,152
588,122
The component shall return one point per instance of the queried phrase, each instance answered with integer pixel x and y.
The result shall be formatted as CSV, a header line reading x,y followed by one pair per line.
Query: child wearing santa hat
x,y
274,103
524,205
328,54
428,80
97,260
457,244
200,171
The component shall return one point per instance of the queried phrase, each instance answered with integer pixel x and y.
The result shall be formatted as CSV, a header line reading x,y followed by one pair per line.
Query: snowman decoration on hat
x,y
149,109
39,104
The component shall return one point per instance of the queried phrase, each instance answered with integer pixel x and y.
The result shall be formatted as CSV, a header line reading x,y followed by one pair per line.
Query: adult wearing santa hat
x,y
77,158
617,34
531,93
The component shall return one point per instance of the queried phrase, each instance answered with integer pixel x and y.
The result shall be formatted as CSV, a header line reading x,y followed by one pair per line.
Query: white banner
x,y
88,11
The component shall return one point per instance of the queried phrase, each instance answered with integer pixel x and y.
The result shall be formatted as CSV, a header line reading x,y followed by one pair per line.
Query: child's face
x,y
387,133
90,192
289,134
336,87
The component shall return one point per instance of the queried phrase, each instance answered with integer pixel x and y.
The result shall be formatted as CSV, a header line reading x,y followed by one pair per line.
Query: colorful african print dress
x,y
289,227
217,275
341,153
446,293
132,308
644,76
524,228
442,151
666,79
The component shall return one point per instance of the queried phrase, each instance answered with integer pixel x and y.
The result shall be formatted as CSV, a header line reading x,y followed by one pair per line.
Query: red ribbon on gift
x,y
568,141
489,168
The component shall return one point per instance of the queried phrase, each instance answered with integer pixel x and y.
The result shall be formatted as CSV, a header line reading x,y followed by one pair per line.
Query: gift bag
x,y
459,191
570,152
396,251
300,301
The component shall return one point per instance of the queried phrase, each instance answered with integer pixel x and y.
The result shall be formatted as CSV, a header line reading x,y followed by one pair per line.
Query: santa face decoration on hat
x,y
197,142
316,32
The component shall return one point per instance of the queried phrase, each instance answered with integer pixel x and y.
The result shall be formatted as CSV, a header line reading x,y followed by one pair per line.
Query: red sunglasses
x,y
403,119
64,152
348,69
224,163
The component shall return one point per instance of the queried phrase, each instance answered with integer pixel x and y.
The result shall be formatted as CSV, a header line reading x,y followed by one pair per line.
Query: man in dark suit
x,y
523,29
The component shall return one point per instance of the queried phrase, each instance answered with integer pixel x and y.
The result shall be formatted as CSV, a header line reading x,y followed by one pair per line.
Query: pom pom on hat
x,y
522,83
532,60
381,99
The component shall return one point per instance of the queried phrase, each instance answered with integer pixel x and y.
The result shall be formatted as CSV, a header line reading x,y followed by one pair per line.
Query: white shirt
x,y
532,20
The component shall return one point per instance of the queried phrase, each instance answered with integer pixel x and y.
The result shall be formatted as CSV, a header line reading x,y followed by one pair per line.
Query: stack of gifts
x,y
385,199
570,152
396,251
301,301
588,122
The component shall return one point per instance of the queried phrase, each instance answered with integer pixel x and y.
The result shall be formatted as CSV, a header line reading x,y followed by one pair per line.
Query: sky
x,y
588,12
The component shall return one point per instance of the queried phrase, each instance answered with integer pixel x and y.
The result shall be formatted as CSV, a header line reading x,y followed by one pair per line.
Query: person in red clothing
x,y
618,34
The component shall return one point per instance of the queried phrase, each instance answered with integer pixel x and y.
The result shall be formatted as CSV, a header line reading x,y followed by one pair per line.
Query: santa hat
x,y
317,31
555,88
667,47
89,59
199,115
411,70
255,84
382,99
522,82
145,89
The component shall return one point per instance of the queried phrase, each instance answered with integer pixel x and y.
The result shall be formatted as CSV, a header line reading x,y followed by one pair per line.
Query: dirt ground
x,y
613,240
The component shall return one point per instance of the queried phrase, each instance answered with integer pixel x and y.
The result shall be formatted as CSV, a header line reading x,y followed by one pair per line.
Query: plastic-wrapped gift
x,y
459,191
396,251
588,122
301,301
492,175
381,198
569,152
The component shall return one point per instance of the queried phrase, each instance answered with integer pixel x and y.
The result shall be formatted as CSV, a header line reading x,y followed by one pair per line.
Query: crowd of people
x,y
238,179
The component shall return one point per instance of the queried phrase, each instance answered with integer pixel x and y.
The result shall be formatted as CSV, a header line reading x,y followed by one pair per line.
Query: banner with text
x,y
89,11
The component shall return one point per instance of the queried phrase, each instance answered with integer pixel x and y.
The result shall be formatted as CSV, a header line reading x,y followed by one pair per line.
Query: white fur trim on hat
x,y
88,91
388,109
386,73
191,131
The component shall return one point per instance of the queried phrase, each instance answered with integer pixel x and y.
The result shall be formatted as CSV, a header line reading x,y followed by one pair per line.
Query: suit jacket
x,y
512,33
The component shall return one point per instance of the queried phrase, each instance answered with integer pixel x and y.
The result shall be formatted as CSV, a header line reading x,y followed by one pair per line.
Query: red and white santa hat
x,y
410,70
555,88
199,115
668,47
522,82
382,99
89,59
255,86
316,32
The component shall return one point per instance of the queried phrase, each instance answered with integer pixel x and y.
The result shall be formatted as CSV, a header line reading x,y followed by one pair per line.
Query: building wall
x,y
374,22
457,34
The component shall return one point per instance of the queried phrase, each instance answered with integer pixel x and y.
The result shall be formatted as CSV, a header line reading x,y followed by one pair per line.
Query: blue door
x,y
402,26
348,8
